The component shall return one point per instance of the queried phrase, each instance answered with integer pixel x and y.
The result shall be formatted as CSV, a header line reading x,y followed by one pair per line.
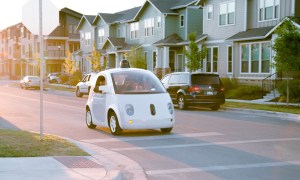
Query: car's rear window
x,y
202,79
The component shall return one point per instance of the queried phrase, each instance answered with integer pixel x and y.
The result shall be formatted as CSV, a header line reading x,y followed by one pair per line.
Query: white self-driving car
x,y
129,98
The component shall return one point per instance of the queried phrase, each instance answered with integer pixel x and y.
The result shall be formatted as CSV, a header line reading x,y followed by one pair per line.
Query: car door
x,y
99,101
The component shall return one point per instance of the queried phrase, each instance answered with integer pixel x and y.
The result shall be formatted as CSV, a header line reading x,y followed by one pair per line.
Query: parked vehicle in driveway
x,y
30,82
129,98
197,89
84,86
53,77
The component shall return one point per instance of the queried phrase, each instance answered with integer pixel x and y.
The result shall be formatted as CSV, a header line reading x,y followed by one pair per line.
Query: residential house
x,y
20,48
159,27
240,34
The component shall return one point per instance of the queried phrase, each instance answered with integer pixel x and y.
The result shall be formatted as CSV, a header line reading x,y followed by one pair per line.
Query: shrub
x,y
75,78
245,92
64,78
229,83
294,90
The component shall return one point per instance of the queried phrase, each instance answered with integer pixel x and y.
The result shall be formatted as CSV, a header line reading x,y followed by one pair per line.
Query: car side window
x,y
183,79
174,79
101,81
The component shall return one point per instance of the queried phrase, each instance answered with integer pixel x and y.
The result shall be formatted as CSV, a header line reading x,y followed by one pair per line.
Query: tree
x,y
136,58
69,65
94,60
193,54
287,47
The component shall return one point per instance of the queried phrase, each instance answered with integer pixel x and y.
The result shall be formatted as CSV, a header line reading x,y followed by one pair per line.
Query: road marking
x,y
38,100
205,144
171,136
219,168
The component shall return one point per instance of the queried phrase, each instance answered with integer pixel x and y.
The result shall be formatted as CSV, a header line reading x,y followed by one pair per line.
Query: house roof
x,y
170,40
252,34
122,16
200,37
71,12
115,42
88,18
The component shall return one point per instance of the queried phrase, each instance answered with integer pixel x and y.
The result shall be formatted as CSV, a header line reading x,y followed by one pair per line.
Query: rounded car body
x,y
129,98
30,82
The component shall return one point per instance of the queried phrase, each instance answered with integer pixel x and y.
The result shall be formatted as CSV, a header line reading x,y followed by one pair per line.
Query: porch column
x,y
166,57
118,59
158,58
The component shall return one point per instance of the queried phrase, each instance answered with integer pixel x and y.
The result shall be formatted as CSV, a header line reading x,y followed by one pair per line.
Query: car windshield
x,y
134,82
198,79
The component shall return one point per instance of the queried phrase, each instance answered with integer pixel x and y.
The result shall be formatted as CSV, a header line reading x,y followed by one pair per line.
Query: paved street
x,y
203,145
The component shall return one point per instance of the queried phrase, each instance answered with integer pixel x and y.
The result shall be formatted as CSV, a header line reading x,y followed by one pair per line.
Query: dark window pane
x,y
231,18
222,19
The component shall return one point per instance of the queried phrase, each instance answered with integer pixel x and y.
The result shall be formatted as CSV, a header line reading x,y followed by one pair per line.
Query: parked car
x,y
30,82
53,77
198,89
129,98
84,86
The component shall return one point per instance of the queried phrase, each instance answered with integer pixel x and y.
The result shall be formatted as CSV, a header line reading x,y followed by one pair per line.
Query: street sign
x,y
30,16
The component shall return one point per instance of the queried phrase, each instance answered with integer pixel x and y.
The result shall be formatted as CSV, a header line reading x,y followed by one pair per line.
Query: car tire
x,y
78,93
113,124
215,107
89,119
181,102
166,130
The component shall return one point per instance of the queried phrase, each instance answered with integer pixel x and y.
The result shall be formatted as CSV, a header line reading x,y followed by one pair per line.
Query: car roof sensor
x,y
124,64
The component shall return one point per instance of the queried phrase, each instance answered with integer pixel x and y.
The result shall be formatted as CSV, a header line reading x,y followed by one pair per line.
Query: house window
x,y
82,37
134,30
212,59
181,20
158,21
88,39
101,35
149,27
256,58
268,9
227,13
229,59
210,12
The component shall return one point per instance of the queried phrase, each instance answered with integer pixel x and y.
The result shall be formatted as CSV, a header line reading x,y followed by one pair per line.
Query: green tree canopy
x,y
193,54
287,47
136,58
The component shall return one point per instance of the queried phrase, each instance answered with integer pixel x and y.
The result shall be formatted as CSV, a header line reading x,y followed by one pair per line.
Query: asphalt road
x,y
203,144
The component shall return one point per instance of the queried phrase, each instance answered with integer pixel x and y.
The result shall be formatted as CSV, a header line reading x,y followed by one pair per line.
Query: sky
x,y
11,10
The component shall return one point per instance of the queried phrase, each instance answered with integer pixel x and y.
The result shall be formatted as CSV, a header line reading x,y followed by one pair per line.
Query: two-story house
x,y
20,49
240,34
159,27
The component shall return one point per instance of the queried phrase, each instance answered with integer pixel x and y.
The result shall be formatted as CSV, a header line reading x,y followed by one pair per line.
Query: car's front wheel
x,y
114,126
89,119
181,102
78,93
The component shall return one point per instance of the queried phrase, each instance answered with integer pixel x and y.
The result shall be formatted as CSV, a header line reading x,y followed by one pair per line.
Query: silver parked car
x,y
84,86
30,82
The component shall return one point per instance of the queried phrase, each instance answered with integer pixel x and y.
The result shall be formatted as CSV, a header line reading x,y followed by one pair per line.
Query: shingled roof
x,y
121,16
251,34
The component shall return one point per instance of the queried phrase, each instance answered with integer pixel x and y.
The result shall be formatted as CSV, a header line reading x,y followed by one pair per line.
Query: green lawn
x,y
14,143
265,107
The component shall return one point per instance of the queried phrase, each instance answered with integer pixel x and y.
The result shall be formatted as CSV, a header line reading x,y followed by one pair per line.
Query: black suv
x,y
199,89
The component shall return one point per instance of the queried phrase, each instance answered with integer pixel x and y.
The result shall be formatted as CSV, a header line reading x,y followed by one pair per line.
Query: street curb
x,y
285,116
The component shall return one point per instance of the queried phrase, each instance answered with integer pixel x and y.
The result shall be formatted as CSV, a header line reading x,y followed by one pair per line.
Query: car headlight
x,y
170,108
129,109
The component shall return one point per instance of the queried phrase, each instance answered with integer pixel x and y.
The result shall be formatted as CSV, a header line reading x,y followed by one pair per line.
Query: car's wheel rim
x,y
113,123
88,118
181,102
